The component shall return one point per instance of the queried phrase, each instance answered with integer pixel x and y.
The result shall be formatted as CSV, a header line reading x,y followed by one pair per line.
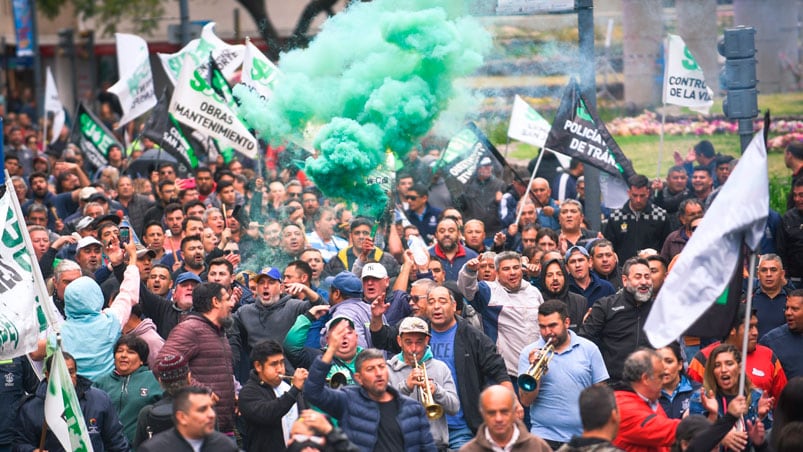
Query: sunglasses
x,y
411,198
227,252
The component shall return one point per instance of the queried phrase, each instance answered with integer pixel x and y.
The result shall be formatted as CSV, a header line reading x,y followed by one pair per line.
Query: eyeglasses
x,y
294,195
411,197
227,252
417,298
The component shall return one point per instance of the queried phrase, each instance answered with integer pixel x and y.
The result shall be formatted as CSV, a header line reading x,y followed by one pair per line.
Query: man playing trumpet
x,y
417,374
576,364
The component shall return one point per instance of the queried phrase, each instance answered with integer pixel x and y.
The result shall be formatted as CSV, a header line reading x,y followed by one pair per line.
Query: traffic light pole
x,y
738,46
588,87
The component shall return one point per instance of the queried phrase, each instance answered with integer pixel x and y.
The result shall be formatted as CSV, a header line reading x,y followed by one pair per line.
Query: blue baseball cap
x,y
346,282
577,248
270,272
188,276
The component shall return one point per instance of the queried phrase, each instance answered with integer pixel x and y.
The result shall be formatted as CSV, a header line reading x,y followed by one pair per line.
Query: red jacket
x,y
641,429
207,350
763,368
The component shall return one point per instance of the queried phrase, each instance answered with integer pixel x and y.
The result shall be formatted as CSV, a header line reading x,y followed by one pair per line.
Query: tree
x,y
144,14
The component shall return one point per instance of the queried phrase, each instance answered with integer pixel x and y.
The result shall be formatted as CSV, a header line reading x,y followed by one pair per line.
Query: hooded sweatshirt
x,y
576,303
89,333
146,330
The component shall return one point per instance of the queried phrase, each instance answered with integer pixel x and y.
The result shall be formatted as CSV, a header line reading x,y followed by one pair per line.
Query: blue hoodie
x,y
89,333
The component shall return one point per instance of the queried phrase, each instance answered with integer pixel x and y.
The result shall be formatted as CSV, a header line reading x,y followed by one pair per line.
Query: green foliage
x,y
780,186
143,14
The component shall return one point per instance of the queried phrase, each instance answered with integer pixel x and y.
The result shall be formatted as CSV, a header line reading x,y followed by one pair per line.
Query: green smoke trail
x,y
377,77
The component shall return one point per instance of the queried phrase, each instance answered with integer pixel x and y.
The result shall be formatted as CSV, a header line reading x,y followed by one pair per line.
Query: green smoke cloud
x,y
377,77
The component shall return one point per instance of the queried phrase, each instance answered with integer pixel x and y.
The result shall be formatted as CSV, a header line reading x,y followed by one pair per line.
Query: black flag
x,y
93,137
578,132
168,134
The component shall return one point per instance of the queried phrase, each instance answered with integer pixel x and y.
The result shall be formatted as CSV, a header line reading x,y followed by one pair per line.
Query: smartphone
x,y
125,236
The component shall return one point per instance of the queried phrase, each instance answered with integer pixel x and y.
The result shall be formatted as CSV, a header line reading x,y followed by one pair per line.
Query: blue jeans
x,y
459,437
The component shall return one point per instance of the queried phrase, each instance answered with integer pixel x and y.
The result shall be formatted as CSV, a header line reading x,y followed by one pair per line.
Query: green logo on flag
x,y
582,112
689,63
260,71
12,239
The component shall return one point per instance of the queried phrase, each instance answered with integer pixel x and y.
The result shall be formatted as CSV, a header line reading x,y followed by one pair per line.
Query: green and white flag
x,y
684,81
228,57
93,137
197,105
135,87
19,325
526,124
62,410
259,73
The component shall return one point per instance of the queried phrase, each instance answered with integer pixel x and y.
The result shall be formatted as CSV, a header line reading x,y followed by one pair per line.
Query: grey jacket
x,y
445,393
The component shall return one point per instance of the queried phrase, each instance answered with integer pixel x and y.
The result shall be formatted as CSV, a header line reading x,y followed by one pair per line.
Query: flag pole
x,y
747,315
661,141
40,290
526,195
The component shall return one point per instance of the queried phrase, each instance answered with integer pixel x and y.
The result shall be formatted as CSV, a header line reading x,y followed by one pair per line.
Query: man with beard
x,y
204,182
575,365
605,263
200,338
787,340
616,322
448,249
272,308
192,252
763,367
702,183
88,255
556,287
508,306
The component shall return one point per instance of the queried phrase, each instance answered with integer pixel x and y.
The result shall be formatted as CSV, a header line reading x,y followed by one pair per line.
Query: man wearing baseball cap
x,y
345,299
583,280
407,376
269,318
166,313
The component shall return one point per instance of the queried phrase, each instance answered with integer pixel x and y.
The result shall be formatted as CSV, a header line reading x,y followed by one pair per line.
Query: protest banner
x,y
135,87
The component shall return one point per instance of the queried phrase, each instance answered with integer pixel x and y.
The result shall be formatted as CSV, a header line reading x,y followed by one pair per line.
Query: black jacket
x,y
616,325
172,441
476,362
790,243
633,231
262,414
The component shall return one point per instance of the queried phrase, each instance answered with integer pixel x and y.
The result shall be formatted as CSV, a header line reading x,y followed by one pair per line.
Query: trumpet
x,y
434,411
286,377
337,380
529,381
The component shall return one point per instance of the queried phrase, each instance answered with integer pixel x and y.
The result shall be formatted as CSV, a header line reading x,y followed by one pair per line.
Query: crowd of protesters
x,y
238,307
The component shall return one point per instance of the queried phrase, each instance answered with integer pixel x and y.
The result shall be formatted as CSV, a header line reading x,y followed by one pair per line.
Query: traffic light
x,y
66,42
87,43
739,49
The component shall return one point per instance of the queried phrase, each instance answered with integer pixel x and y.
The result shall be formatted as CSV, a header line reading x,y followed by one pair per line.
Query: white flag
x,y
19,325
705,266
197,105
53,104
228,57
135,87
526,124
62,409
259,73
684,81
